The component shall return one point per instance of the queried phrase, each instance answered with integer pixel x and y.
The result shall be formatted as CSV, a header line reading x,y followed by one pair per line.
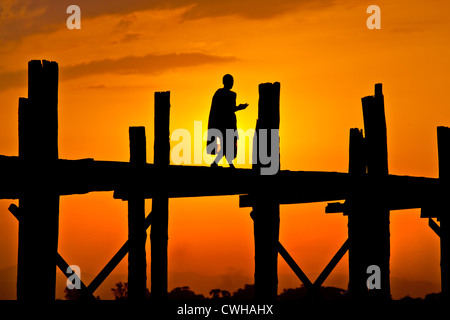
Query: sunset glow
x,y
326,60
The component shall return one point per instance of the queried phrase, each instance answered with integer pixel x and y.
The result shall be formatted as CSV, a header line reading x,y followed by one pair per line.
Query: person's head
x,y
228,81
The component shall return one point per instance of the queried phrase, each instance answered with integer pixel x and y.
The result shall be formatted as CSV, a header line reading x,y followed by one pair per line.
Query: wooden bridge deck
x,y
89,175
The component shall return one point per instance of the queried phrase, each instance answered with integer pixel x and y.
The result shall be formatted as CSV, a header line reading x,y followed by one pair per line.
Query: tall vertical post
x,y
376,228
266,212
356,218
137,234
160,204
443,134
39,201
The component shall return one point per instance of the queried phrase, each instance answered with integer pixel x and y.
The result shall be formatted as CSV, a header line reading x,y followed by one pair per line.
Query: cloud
x,y
148,64
129,37
127,21
13,79
19,18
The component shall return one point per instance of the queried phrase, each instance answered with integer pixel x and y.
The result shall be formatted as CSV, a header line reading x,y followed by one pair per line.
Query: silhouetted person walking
x,y
223,120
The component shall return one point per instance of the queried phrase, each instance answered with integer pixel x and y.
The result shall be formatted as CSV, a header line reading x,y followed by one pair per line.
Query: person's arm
x,y
238,107
242,106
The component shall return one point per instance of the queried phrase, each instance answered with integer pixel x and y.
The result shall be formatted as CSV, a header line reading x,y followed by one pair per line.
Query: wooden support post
x,y
137,233
443,134
39,200
266,212
356,218
160,204
376,212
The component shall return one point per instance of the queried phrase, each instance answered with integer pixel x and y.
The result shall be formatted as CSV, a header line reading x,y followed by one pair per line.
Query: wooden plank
x,y
137,235
159,234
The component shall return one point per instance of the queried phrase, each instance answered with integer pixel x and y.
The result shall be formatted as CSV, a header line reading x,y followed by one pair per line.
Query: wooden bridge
x,y
37,177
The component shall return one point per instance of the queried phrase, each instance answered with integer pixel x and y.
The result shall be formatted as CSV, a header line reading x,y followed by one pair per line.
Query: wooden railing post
x,y
160,204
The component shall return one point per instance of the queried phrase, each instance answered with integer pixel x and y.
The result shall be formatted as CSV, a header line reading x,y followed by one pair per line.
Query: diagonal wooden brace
x,y
115,260
60,262
332,264
434,226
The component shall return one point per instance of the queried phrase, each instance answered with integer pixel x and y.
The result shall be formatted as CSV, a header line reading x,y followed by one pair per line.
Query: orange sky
x,y
325,59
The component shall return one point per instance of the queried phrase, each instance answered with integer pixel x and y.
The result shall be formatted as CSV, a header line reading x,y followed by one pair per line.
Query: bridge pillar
x,y
137,231
369,216
444,229
266,213
159,234
39,199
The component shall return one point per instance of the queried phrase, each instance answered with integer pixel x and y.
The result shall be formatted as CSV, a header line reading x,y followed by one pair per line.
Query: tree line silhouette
x,y
120,293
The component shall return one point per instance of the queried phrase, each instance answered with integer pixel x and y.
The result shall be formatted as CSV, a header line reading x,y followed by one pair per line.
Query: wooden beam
x,y
115,260
63,266
89,175
335,207
434,226
294,266
137,234
160,204
332,264
60,262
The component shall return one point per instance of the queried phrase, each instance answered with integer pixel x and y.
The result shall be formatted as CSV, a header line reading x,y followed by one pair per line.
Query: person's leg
x,y
219,155
230,162
230,152
217,159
